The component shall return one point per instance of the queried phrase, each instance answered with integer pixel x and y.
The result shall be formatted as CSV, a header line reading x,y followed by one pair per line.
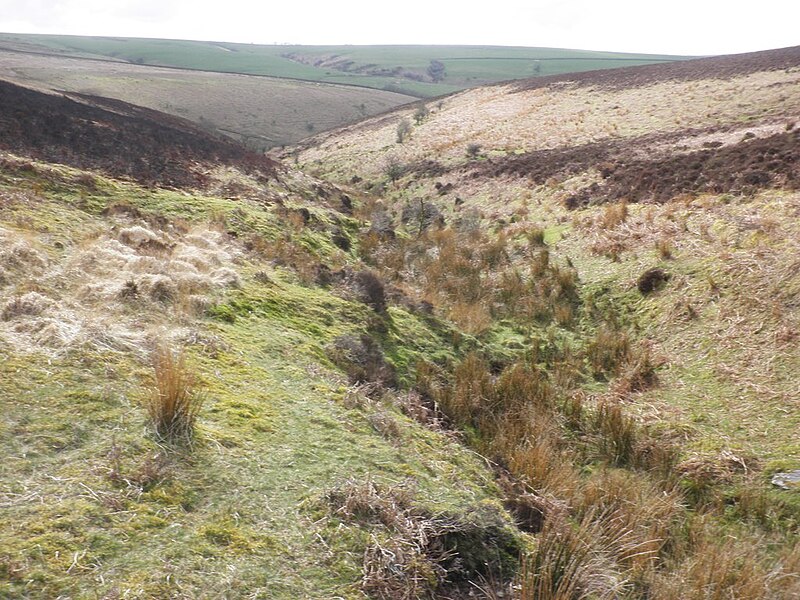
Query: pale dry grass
x,y
108,291
575,562
503,120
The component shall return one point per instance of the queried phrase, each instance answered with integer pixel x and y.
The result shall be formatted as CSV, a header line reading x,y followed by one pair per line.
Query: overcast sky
x,y
669,27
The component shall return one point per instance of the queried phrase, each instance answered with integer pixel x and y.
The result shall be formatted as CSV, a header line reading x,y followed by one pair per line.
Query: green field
x,y
465,66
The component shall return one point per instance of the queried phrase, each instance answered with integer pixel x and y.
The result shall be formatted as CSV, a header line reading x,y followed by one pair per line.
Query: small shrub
x,y
720,569
540,462
664,248
472,317
173,402
163,289
652,280
152,471
12,570
616,434
437,72
418,551
535,237
341,240
570,563
421,114
473,150
394,169
472,392
639,371
403,130
385,424
129,290
608,351
401,567
614,215
31,304
362,358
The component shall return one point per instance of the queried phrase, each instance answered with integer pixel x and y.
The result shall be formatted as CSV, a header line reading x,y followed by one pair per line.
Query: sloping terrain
x,y
442,360
116,137
262,112
421,71
671,194
707,157
242,272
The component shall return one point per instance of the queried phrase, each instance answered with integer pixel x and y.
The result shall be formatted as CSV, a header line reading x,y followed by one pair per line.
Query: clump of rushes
x,y
173,402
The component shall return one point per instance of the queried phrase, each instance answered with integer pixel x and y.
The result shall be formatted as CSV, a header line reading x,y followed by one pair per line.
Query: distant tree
x,y
420,114
403,130
437,71
394,169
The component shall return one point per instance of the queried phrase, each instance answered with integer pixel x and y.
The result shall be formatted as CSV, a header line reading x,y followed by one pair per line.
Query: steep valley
x,y
537,340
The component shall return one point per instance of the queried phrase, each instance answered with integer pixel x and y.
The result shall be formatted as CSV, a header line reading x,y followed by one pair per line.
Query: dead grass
x,y
174,401
413,553
573,562
722,569
617,433
402,565
109,292
614,215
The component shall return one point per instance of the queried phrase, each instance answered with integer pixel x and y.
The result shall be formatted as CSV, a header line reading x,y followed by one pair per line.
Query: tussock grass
x,y
174,401
573,562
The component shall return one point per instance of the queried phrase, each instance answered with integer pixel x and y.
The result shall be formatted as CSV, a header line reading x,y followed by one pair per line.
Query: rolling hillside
x,y
261,112
535,340
672,191
230,279
401,69
702,152
268,96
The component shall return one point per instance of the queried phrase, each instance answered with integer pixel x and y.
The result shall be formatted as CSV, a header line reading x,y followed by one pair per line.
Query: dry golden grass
x,y
573,563
174,400
614,215
504,120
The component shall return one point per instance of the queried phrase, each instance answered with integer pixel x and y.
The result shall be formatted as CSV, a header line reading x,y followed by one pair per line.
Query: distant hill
x,y
115,137
422,71
268,96
262,112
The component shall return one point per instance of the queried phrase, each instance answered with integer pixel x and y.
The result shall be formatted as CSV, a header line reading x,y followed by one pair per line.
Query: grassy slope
x,y
723,330
729,378
276,401
467,66
262,112
93,505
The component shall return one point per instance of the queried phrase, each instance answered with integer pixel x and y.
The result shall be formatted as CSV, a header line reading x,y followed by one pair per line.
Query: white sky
x,y
668,27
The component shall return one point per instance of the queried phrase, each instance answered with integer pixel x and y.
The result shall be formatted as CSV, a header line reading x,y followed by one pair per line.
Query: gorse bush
x,y
173,402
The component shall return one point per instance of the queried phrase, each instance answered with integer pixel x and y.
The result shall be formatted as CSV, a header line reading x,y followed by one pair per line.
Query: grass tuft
x,y
173,402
